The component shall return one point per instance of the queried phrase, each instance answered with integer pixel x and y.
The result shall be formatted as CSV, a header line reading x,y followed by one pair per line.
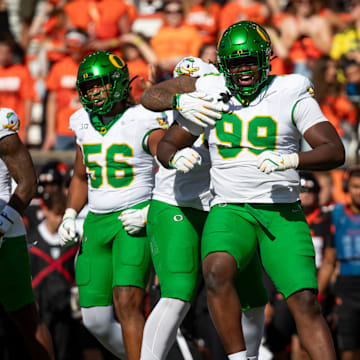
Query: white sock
x,y
161,328
100,321
253,328
241,355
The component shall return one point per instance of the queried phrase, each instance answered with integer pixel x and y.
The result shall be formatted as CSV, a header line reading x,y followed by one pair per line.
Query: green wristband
x,y
175,102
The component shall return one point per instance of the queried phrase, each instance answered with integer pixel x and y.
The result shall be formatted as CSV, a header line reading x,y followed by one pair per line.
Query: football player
x,y
113,171
16,293
254,151
177,214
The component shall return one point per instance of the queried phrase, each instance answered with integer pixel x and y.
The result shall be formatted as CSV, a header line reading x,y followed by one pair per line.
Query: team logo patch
x,y
163,123
13,122
187,67
310,90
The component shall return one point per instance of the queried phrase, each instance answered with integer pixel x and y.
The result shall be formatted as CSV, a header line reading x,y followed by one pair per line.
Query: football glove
x,y
199,108
134,220
67,228
185,159
8,216
269,161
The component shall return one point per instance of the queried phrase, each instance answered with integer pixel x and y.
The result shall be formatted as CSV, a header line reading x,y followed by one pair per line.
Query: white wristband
x,y
70,213
291,161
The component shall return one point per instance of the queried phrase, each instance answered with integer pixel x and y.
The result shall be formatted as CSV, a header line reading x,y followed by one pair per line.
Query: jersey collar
x,y
102,128
245,101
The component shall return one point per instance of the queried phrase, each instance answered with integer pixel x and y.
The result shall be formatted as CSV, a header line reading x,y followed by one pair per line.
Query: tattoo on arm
x,y
160,97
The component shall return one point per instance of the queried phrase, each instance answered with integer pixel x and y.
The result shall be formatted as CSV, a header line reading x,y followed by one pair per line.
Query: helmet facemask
x,y
103,83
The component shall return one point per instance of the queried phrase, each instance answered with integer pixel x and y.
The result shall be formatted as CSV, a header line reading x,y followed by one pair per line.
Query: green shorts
x,y
174,234
110,257
279,230
15,286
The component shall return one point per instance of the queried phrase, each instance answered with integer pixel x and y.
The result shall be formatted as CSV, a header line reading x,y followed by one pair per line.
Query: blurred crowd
x,y
38,69
319,39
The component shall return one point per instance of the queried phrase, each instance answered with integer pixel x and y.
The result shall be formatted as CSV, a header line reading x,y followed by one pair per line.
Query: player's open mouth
x,y
99,102
245,80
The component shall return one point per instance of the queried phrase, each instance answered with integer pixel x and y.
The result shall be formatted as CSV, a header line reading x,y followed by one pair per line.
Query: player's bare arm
x,y
328,151
160,97
78,190
174,139
154,139
19,163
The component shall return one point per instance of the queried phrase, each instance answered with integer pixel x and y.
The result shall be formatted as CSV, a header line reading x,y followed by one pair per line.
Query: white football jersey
x,y
267,123
186,190
9,124
119,166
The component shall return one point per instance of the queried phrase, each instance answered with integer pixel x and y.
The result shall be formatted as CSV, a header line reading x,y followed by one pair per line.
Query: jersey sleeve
x,y
307,113
154,121
305,109
9,122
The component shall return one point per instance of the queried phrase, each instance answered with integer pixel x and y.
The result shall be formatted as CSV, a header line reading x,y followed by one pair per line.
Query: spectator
x,y
16,85
331,96
305,35
50,179
48,30
174,40
204,15
326,183
238,10
63,97
346,42
52,269
104,20
140,59
208,53
345,250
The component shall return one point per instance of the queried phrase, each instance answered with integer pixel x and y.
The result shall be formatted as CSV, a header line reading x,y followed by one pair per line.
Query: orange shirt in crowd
x,y
16,86
171,42
279,67
104,15
230,12
62,80
141,69
339,109
57,39
304,49
205,21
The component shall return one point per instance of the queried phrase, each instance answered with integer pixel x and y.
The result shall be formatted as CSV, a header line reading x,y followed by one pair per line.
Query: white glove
x,y
8,216
199,108
270,161
185,159
134,220
67,228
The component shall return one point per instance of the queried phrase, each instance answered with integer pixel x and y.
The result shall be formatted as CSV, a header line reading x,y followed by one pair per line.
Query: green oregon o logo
x,y
117,61
178,218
